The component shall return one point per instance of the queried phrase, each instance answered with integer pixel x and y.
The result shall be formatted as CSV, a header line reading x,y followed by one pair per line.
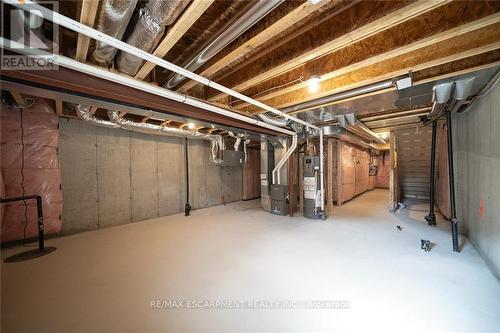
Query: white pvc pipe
x,y
277,180
100,36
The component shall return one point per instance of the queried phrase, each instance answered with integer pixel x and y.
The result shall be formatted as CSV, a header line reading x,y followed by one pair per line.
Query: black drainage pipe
x,y
451,176
431,217
187,207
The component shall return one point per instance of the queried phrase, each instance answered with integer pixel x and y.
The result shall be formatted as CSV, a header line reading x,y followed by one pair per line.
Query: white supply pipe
x,y
276,180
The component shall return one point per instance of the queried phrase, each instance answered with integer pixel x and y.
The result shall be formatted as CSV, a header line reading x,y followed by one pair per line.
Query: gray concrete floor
x,y
105,280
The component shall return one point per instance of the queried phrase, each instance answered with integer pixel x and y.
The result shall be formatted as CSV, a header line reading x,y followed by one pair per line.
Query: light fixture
x,y
190,125
314,1
313,83
383,135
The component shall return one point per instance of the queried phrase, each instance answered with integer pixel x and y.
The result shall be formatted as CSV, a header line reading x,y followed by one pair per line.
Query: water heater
x,y
312,187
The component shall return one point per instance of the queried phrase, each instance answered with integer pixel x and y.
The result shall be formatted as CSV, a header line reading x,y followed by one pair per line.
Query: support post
x,y
187,207
431,217
451,176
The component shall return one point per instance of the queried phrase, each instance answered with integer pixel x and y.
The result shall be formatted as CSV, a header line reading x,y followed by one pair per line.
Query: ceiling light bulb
x,y
313,83
314,1
191,126
383,135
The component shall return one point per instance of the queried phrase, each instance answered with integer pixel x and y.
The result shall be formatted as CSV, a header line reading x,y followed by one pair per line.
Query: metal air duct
x,y
353,125
339,96
226,35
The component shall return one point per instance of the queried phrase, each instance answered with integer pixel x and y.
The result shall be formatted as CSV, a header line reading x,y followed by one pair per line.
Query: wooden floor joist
x,y
59,107
293,53
188,18
467,45
344,60
18,98
272,31
87,17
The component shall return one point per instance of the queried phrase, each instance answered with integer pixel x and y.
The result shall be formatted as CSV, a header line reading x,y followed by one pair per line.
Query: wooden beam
x,y
59,107
188,18
363,54
122,114
336,33
304,10
166,122
145,119
87,17
18,98
93,109
460,47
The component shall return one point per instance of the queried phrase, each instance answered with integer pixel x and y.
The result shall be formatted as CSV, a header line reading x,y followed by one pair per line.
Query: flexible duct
x,y
240,138
226,35
113,20
153,21
83,112
217,142
271,120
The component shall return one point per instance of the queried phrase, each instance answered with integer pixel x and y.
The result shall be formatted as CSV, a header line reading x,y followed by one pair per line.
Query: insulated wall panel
x,y
78,158
113,177
143,176
171,188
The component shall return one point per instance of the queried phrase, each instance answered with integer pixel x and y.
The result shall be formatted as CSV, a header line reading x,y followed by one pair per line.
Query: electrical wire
x,y
22,178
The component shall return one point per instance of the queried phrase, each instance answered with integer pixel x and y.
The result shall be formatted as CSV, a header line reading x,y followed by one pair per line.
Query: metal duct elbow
x,y
83,113
151,26
271,120
463,89
440,96
113,20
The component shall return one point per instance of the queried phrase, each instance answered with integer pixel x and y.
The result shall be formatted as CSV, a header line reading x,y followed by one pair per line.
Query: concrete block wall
x,y
476,136
113,176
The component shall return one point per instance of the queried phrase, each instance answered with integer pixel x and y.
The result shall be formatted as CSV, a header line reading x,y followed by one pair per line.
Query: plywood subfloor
x,y
105,280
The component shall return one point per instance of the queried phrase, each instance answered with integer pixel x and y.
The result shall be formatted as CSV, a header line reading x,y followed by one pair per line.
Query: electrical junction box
x,y
312,187
232,158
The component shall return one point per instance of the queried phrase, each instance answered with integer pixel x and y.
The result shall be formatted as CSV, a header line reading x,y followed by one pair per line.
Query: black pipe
x,y
187,207
454,220
431,217
41,240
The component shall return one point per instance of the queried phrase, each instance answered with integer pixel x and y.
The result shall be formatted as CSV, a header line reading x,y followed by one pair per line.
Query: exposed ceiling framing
x,y
346,43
